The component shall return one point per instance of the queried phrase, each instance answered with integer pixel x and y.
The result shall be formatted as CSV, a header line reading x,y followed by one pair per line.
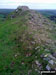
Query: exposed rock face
x,y
24,8
20,11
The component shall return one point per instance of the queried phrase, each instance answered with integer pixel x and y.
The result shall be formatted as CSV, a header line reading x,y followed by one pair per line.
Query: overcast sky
x,y
33,4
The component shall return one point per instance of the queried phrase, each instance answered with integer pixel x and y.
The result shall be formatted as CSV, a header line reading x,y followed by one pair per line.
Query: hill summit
x,y
24,8
28,40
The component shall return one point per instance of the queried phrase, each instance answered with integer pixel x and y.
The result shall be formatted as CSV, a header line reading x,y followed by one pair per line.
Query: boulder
x,y
48,67
51,62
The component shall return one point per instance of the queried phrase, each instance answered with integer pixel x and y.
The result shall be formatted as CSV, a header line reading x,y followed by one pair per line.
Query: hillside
x,y
51,14
4,13
27,43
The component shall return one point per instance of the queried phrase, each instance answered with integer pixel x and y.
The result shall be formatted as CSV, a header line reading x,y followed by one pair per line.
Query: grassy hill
x,y
51,14
4,13
26,38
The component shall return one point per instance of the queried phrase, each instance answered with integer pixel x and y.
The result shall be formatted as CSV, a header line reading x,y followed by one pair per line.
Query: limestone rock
x,y
51,62
48,67
24,8
38,64
37,47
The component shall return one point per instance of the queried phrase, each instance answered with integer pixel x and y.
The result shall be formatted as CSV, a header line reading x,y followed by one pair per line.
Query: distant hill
x,y
51,14
6,11
47,12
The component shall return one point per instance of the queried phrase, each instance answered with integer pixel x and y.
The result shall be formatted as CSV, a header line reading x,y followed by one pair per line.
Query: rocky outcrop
x,y
24,8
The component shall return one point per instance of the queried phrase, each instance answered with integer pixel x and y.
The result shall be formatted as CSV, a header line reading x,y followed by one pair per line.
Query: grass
x,y
8,32
12,54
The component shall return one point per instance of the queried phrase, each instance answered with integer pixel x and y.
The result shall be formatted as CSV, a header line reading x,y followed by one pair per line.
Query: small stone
x,y
37,63
16,10
36,69
15,55
30,22
37,48
33,42
48,67
51,62
22,63
46,55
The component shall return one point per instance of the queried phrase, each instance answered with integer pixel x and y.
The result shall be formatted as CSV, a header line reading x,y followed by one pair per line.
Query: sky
x,y
33,4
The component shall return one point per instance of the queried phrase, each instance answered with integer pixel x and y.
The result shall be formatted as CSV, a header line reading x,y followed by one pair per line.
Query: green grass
x,y
9,31
10,45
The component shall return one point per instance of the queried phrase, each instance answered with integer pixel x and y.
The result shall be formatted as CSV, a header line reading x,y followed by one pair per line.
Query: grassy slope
x,y
11,56
12,49
8,33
